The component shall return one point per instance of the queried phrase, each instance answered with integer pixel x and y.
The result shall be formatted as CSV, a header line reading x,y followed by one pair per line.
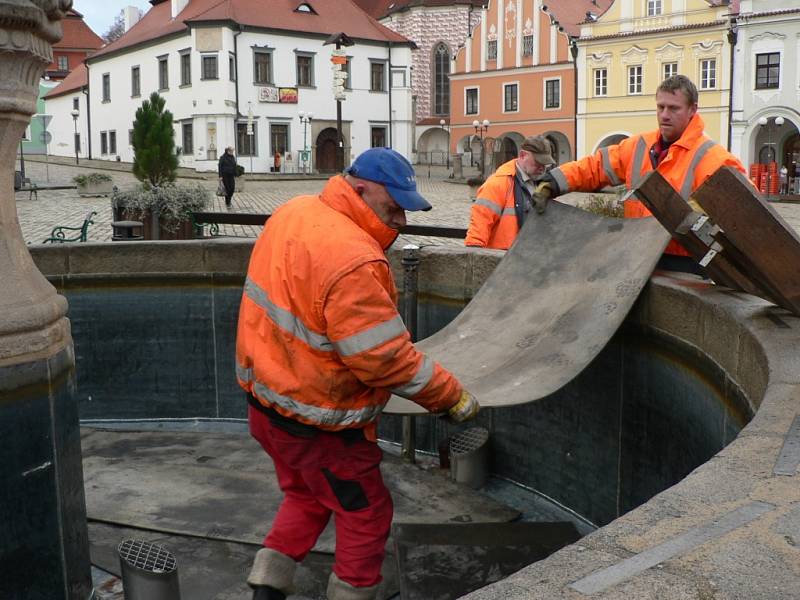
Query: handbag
x,y
221,191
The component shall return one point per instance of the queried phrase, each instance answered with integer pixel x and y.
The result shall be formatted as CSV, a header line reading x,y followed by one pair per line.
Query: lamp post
x,y
481,127
305,119
338,59
765,122
446,129
75,114
250,131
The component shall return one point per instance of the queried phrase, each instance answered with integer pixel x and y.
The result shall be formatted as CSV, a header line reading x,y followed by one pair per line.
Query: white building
x,y
765,110
191,51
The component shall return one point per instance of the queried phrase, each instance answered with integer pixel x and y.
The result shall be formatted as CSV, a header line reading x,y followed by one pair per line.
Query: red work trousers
x,y
324,474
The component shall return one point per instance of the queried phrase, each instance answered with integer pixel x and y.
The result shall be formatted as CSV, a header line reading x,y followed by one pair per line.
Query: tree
x,y
116,30
154,158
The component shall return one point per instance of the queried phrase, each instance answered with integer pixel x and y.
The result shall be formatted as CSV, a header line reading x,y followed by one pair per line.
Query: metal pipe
x,y
410,262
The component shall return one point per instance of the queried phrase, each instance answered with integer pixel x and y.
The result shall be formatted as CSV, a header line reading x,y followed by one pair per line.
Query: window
x,y
209,68
378,137
136,82
231,67
103,142
491,50
187,138
377,76
527,45
163,73
112,142
77,142
635,79
768,69
601,82
653,8
63,63
130,138
305,70
471,101
186,68
76,103
510,95
441,79
278,137
262,65
670,69
106,87
245,144
552,93
708,74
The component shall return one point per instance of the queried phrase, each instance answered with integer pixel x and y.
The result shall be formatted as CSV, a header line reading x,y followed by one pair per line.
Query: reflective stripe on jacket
x,y
493,219
690,160
320,339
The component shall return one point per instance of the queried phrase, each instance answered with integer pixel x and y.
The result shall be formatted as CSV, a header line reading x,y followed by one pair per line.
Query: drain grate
x,y
468,440
147,556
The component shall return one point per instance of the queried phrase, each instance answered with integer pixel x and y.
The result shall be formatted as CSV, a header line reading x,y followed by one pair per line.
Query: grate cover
x,y
147,556
468,440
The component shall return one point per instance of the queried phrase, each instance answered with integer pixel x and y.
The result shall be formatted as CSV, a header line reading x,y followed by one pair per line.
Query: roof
x,y
75,81
378,9
656,30
332,16
77,34
570,15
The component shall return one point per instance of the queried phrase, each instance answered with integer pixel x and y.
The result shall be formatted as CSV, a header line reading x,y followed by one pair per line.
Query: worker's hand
x,y
466,408
542,193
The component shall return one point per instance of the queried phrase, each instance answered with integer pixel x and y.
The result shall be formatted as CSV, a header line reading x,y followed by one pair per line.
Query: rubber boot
x,y
272,575
341,590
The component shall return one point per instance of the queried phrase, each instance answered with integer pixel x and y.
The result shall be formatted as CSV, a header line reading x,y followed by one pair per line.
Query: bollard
x,y
149,571
410,262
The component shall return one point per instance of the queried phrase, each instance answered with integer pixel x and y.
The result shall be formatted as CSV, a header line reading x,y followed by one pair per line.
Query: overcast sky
x,y
100,14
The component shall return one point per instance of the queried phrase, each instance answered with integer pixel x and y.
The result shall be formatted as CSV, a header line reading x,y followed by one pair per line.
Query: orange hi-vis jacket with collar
x,y
320,339
690,160
493,219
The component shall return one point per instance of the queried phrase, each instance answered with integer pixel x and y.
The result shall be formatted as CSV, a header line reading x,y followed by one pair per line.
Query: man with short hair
x,y
504,200
678,149
320,349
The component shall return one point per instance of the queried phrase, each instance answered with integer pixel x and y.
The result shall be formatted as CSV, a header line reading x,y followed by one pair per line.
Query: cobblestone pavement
x,y
38,215
50,207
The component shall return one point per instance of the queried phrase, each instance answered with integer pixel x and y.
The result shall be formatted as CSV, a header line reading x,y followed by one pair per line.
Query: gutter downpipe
x,y
88,113
236,34
574,51
391,126
733,36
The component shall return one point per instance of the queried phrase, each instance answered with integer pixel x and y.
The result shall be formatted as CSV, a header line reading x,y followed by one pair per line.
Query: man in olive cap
x,y
505,199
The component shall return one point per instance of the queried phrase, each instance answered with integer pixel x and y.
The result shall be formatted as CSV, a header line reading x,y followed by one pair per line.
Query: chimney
x,y
131,16
178,6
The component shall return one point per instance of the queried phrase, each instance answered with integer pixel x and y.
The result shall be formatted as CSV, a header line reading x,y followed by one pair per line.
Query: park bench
x,y
60,233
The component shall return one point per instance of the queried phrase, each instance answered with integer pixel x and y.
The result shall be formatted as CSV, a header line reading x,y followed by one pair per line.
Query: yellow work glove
x,y
541,195
466,408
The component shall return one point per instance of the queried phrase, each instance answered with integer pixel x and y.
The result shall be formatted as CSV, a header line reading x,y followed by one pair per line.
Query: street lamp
x,y
305,119
250,131
75,114
481,127
765,122
443,125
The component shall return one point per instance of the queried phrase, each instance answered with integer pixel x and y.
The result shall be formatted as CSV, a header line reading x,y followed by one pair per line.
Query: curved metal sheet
x,y
549,307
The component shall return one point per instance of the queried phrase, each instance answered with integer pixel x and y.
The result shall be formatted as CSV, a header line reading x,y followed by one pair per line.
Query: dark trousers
x,y
229,181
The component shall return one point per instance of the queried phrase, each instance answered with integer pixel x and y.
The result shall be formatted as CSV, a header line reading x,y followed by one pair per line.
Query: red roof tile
x,y
332,16
378,9
78,34
570,15
73,82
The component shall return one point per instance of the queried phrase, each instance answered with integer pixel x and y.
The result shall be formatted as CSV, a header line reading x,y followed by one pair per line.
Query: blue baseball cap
x,y
392,170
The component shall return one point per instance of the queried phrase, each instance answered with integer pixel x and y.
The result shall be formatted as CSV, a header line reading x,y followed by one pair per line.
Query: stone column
x,y
43,535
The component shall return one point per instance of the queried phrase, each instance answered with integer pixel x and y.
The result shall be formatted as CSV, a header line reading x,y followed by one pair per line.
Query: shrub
x,y
172,203
90,179
154,158
605,205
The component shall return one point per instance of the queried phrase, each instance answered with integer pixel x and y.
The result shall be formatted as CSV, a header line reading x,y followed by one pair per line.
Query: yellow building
x,y
625,53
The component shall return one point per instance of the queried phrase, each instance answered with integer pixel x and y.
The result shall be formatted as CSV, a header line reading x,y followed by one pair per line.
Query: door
x,y
326,151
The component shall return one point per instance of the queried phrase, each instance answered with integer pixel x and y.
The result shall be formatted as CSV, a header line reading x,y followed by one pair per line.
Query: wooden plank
x,y
756,230
674,213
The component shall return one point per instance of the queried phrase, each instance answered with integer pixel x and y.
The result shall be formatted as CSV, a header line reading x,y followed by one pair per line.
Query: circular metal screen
x,y
468,440
146,556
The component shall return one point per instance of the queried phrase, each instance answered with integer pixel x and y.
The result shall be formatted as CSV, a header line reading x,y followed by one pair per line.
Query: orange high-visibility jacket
x,y
493,219
690,160
319,338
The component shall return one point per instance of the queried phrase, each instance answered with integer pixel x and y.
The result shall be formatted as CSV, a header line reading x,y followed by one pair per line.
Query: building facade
x,y
625,54
234,76
766,100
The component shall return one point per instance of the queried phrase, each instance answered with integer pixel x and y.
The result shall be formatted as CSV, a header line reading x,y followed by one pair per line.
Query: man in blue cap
x,y
320,349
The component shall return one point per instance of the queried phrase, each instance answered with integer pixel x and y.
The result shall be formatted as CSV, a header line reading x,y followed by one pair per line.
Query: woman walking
x,y
227,173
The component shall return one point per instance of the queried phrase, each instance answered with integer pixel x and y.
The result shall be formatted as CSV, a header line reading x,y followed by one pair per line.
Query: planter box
x,y
153,230
102,188
239,184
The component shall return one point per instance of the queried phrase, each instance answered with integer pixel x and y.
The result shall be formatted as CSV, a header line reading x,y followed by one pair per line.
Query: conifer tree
x,y
154,158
